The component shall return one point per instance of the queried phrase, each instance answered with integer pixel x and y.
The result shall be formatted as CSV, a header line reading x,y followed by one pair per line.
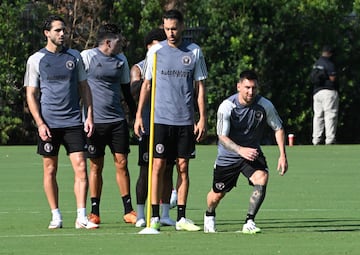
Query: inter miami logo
x,y
259,115
70,65
220,185
145,157
159,148
48,147
91,149
186,60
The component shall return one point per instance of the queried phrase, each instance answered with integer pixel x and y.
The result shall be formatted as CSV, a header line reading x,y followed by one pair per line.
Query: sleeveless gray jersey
x,y
244,125
57,76
105,76
176,69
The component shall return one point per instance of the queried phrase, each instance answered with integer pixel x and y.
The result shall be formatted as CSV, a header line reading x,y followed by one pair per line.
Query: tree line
x,y
279,39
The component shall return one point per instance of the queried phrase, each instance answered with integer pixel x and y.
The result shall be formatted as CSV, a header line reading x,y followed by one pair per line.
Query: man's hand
x,y
282,165
248,153
44,132
139,129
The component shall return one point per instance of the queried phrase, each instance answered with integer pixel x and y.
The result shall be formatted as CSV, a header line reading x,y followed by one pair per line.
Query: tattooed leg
x,y
256,200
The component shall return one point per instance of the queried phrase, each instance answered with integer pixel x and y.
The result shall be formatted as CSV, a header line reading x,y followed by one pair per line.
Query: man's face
x,y
247,91
173,30
115,45
56,35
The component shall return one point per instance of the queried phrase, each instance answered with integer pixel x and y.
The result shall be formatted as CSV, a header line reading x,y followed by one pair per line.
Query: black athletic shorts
x,y
225,177
143,157
73,139
115,135
173,142
143,150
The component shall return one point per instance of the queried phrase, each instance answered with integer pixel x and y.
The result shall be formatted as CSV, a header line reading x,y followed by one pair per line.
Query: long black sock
x,y
155,210
95,205
181,211
127,204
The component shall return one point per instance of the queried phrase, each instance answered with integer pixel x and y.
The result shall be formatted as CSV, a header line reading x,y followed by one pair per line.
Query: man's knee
x,y
259,177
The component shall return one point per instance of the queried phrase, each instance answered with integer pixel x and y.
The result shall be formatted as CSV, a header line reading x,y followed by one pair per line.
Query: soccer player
x,y
55,80
241,120
109,80
179,64
136,76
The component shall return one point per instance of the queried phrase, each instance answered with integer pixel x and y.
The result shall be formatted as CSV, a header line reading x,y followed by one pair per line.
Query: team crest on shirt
x,y
159,148
186,60
145,157
70,65
48,147
258,115
220,185
91,149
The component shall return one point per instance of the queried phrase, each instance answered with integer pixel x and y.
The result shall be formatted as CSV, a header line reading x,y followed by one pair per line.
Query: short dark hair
x,y
174,14
328,48
249,75
49,20
108,31
157,34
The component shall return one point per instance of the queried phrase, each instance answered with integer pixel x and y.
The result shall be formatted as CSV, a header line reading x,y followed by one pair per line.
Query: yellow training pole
x,y
151,141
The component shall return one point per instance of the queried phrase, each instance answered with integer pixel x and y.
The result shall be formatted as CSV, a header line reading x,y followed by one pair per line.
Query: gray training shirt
x,y
57,76
176,69
244,125
105,76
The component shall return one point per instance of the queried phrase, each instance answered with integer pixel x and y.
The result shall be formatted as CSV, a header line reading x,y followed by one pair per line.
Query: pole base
x,y
149,231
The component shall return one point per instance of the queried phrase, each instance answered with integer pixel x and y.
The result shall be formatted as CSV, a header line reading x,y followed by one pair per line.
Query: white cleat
x,y
140,223
55,224
186,224
209,224
250,228
85,224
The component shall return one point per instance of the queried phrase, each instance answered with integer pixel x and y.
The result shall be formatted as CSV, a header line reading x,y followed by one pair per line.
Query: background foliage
x,y
280,39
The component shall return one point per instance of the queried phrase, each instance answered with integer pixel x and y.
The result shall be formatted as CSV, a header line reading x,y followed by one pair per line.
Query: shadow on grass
x,y
298,225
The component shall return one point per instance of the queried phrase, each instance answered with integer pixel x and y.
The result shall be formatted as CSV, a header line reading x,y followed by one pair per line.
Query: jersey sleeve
x,y
200,72
86,57
149,61
223,118
125,77
272,117
32,74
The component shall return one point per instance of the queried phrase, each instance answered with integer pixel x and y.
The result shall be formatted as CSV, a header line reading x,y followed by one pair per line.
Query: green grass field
x,y
313,209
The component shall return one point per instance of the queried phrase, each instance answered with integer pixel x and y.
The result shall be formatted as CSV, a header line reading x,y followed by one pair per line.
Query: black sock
x,y
207,213
95,205
181,211
127,204
155,210
249,217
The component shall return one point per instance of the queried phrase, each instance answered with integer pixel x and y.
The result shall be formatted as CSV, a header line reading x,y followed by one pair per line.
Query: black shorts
x,y
143,150
143,158
73,139
115,135
225,177
173,142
